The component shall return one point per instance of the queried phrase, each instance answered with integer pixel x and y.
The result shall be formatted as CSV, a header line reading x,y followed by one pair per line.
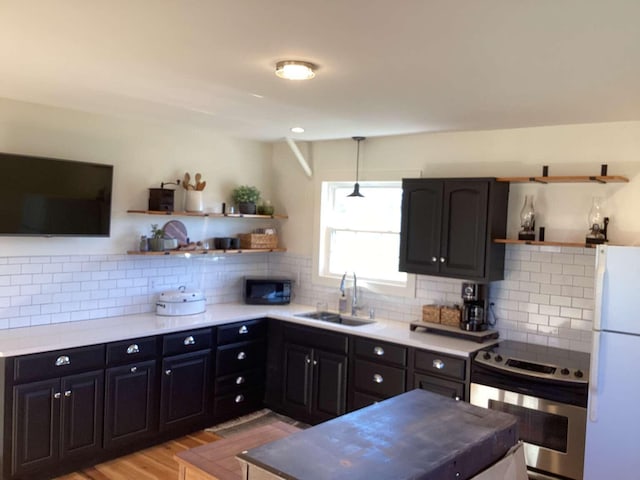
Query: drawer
x,y
380,380
317,338
58,363
440,364
240,356
242,331
440,386
132,350
361,400
381,351
244,380
237,404
187,341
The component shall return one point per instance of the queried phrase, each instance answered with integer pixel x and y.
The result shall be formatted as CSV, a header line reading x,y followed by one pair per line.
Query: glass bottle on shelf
x,y
527,220
597,223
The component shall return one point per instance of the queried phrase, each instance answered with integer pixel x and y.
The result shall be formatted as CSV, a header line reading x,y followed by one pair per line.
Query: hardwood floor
x,y
155,463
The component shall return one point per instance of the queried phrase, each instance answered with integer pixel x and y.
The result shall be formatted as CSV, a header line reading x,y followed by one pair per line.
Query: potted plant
x,y
246,197
156,242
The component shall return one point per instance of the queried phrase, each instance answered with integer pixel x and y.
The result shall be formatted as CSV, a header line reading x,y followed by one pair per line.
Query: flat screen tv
x,y
52,197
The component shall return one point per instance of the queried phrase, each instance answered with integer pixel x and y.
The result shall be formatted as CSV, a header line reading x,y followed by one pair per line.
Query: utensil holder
x,y
193,201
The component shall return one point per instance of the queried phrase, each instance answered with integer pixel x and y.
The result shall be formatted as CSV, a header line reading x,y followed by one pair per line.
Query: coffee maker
x,y
473,307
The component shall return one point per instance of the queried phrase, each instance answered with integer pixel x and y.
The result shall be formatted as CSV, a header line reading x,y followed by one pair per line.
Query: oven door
x,y
553,433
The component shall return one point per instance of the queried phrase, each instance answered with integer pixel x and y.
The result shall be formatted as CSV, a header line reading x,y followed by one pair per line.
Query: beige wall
x,y
562,209
143,154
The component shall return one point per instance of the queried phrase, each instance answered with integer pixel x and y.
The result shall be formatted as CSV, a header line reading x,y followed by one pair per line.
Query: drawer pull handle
x,y
434,259
442,259
240,380
457,398
133,348
439,364
189,340
378,378
378,351
239,398
243,329
167,371
67,393
241,356
133,369
56,395
62,360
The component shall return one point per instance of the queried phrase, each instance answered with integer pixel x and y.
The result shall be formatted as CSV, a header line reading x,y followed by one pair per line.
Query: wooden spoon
x,y
187,179
201,185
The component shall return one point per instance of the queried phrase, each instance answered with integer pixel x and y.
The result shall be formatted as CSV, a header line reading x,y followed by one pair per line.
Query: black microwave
x,y
267,290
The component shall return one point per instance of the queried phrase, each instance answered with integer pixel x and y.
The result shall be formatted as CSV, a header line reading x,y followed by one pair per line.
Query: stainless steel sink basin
x,y
336,318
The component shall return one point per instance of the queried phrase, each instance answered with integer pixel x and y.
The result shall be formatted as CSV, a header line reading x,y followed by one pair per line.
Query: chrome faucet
x,y
354,297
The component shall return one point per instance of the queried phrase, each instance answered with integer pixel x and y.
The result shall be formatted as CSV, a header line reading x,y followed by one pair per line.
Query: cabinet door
x,y
440,386
82,414
297,378
421,223
185,389
130,411
329,385
36,425
464,228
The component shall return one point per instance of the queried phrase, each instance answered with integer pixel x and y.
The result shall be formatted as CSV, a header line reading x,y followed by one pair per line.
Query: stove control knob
x,y
486,355
579,374
564,371
498,358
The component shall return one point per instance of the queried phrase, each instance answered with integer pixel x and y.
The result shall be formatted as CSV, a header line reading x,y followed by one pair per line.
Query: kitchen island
x,y
416,435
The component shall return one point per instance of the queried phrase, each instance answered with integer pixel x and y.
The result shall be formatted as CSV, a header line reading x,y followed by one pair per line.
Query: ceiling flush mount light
x,y
297,129
356,187
295,70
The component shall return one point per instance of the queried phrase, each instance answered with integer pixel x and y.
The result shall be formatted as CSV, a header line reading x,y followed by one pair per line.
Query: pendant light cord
x,y
358,160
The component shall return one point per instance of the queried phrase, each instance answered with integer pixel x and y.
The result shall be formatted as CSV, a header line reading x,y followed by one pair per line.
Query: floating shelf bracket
x,y
296,151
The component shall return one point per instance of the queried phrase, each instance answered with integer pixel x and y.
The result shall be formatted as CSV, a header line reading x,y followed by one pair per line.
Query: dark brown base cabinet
x,y
448,227
314,374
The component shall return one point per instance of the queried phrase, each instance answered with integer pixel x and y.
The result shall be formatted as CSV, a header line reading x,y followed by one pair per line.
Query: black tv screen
x,y
48,196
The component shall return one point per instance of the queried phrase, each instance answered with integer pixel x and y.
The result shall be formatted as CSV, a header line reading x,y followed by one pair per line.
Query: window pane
x,y
379,210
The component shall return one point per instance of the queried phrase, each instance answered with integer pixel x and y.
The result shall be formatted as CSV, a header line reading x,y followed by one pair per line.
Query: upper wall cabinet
x,y
448,226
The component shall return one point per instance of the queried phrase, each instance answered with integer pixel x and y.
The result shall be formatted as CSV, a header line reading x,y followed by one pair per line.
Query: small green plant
x,y
156,232
245,193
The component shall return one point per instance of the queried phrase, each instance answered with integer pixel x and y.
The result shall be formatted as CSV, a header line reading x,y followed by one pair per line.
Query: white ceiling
x,y
386,67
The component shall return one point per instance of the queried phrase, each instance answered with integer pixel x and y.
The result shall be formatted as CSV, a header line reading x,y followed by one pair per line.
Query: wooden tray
x,y
455,331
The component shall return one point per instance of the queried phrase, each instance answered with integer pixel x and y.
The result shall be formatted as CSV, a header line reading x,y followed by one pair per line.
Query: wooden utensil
x,y
185,182
201,185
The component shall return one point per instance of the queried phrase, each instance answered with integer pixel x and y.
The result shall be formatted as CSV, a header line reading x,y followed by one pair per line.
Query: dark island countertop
x,y
416,435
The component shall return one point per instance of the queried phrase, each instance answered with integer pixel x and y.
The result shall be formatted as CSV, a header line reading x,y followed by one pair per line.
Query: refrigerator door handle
x,y
600,290
594,381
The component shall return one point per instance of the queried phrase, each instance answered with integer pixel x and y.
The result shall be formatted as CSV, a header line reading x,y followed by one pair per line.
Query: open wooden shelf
x,y
546,243
207,252
566,179
204,214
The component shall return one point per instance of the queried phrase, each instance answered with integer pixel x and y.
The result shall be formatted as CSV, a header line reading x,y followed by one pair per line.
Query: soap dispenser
x,y
342,301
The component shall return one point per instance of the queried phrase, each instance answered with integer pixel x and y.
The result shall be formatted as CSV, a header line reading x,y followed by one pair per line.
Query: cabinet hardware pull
x,y
439,364
67,393
239,398
167,371
62,360
307,359
56,395
189,340
243,330
315,362
133,348
134,369
457,398
378,378
442,260
378,351
241,356
434,259
240,380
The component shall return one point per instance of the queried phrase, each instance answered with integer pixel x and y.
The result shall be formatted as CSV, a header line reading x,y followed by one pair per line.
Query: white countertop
x,y
22,341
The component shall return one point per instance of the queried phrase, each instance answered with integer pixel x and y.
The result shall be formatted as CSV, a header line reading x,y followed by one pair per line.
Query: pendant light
x,y
356,187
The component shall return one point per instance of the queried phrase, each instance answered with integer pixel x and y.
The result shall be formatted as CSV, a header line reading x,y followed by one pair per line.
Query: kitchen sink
x,y
336,318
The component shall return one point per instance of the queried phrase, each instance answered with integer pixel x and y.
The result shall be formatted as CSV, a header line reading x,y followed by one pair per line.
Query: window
x,y
362,235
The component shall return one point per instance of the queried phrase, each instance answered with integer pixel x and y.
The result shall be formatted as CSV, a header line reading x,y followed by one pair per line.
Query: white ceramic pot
x,y
193,201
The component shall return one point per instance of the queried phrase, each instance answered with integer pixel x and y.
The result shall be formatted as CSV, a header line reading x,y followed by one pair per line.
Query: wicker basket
x,y
431,313
258,240
450,316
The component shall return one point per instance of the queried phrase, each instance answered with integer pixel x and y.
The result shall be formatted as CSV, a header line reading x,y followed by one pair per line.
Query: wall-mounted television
x,y
52,197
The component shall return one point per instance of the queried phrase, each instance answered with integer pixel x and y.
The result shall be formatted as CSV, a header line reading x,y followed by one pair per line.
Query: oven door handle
x,y
594,380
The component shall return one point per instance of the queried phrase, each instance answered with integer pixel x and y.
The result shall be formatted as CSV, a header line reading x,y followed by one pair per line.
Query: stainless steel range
x,y
546,388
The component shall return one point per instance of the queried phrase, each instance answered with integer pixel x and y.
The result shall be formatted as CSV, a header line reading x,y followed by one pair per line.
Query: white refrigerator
x,y
613,420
